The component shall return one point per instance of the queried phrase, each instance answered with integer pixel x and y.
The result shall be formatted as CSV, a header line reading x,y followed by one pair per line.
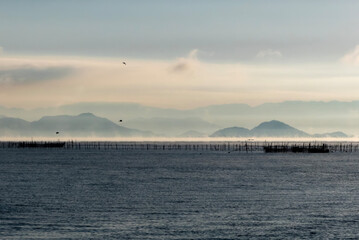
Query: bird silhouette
x,y
57,132
124,63
120,120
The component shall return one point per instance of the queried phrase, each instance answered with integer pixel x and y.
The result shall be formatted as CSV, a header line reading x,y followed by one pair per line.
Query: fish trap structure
x,y
228,147
33,144
323,148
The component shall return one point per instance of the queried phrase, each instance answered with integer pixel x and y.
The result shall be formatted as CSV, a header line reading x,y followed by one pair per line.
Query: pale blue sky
x,y
320,30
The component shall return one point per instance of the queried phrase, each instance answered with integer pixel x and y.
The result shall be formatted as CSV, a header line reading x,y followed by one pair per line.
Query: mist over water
x,y
111,194
179,139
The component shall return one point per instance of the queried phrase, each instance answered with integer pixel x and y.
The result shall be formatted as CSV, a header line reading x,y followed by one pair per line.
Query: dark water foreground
x,y
111,194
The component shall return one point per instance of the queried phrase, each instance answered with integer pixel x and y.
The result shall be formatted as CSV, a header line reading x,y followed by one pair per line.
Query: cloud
x,y
269,54
352,57
187,64
193,54
27,81
181,66
182,83
28,74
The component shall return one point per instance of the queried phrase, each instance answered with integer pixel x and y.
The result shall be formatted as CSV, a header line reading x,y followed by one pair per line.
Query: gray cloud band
x,y
27,75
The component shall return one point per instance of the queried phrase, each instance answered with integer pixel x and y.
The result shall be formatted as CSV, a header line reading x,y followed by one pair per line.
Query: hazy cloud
x,y
269,54
28,74
181,83
181,66
351,57
187,64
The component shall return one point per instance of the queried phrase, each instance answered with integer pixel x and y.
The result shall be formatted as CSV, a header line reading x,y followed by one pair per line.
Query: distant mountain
x,y
232,132
15,127
83,125
271,129
331,135
171,126
276,129
192,134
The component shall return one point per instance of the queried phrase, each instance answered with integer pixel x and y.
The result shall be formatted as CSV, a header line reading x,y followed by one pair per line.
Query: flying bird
x,y
57,132
124,63
120,120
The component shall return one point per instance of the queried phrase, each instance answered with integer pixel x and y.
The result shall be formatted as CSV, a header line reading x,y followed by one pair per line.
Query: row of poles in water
x,y
243,146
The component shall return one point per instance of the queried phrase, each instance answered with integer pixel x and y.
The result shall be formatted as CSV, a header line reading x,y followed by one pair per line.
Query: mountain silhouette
x,y
324,117
232,132
15,127
172,126
192,134
331,135
272,129
83,125
276,129
89,125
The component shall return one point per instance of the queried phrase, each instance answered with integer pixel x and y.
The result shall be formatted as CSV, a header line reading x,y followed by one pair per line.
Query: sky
x,y
180,54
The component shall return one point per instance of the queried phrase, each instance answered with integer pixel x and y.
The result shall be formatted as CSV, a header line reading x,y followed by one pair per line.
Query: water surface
x,y
112,194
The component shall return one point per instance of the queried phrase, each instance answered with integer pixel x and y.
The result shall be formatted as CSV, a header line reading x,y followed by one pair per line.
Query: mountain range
x,y
309,116
89,125
83,125
173,126
272,129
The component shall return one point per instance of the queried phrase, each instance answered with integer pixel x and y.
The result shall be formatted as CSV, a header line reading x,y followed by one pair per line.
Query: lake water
x,y
109,194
